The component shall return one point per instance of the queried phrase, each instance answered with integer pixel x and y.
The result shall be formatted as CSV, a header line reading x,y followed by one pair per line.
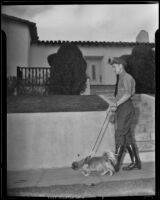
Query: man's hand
x,y
113,107
124,98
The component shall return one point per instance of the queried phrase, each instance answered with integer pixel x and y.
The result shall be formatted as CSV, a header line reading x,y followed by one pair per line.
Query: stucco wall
x,y
18,45
39,53
45,140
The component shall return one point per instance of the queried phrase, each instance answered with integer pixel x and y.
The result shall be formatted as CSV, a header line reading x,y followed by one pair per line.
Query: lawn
x,y
55,103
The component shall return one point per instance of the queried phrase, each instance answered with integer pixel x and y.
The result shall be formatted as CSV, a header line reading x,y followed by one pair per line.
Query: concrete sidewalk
x,y
67,176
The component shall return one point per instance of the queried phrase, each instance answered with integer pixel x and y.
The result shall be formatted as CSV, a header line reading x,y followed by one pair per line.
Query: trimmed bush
x,y
68,70
11,85
141,65
143,68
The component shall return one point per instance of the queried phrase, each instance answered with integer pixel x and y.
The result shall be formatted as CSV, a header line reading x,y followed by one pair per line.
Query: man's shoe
x,y
136,163
132,166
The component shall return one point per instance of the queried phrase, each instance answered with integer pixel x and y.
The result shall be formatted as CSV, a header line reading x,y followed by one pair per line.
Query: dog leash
x,y
100,134
102,137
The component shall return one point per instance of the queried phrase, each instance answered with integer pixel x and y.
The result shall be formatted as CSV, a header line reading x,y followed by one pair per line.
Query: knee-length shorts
x,y
124,119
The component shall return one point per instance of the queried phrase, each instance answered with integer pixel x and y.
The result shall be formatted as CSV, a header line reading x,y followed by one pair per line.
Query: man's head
x,y
118,64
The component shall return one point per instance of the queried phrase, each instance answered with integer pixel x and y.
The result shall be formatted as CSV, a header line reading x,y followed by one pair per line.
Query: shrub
x,y
68,70
143,68
11,85
141,65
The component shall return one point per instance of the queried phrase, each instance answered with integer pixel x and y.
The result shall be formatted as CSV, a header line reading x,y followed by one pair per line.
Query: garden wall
x,y
46,140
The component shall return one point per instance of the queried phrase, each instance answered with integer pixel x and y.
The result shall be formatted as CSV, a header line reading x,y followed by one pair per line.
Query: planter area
x,y
46,140
55,103
53,139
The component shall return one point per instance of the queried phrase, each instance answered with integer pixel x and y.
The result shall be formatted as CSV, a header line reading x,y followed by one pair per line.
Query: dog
x,y
103,165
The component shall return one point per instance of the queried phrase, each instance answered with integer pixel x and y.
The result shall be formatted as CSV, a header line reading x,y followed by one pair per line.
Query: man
x,y
124,115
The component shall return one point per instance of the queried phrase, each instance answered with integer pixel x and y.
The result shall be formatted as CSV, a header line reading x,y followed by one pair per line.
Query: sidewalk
x,y
18,181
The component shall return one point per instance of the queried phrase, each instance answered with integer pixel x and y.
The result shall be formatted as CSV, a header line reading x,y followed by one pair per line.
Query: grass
x,y
55,103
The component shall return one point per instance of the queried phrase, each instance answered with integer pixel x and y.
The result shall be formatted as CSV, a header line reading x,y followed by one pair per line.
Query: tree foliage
x,y
141,65
68,70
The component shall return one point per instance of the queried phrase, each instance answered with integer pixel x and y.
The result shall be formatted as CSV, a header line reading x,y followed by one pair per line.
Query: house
x,y
24,49
27,145
19,34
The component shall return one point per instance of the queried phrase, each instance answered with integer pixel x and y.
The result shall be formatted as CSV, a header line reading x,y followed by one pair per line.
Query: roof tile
x,y
92,43
35,38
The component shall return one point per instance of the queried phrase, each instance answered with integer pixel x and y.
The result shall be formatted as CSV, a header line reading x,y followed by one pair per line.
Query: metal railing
x,y
32,78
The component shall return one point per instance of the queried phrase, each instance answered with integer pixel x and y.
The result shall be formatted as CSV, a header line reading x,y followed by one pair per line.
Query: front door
x,y
94,70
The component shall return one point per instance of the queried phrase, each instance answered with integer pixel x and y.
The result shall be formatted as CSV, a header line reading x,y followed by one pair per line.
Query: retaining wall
x,y
46,140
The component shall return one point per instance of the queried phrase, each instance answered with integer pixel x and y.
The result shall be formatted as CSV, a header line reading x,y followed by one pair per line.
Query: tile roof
x,y
32,25
35,38
91,43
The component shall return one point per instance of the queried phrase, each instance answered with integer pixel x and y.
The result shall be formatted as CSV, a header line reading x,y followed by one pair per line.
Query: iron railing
x,y
32,79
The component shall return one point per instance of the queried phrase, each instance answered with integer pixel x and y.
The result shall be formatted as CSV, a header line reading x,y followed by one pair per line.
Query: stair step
x,y
144,146
143,136
144,157
139,122
141,119
143,128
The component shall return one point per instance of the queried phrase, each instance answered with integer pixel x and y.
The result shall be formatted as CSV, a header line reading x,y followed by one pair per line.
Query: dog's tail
x,y
110,172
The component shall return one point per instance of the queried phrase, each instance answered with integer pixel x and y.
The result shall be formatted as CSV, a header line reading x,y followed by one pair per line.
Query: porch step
x,y
147,128
143,136
143,126
144,157
146,146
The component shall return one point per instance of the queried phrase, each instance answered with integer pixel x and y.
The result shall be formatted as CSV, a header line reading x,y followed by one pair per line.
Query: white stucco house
x,y
24,49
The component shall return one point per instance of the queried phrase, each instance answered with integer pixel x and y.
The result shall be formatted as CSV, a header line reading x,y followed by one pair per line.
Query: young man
x,y
124,115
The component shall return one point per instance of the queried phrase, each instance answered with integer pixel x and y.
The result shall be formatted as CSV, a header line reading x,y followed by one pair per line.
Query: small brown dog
x,y
103,165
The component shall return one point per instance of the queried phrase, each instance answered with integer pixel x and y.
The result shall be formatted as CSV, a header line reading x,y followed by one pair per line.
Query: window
x,y
100,78
93,72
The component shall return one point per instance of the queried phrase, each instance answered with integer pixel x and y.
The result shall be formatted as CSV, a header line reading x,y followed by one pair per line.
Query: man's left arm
x,y
124,98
